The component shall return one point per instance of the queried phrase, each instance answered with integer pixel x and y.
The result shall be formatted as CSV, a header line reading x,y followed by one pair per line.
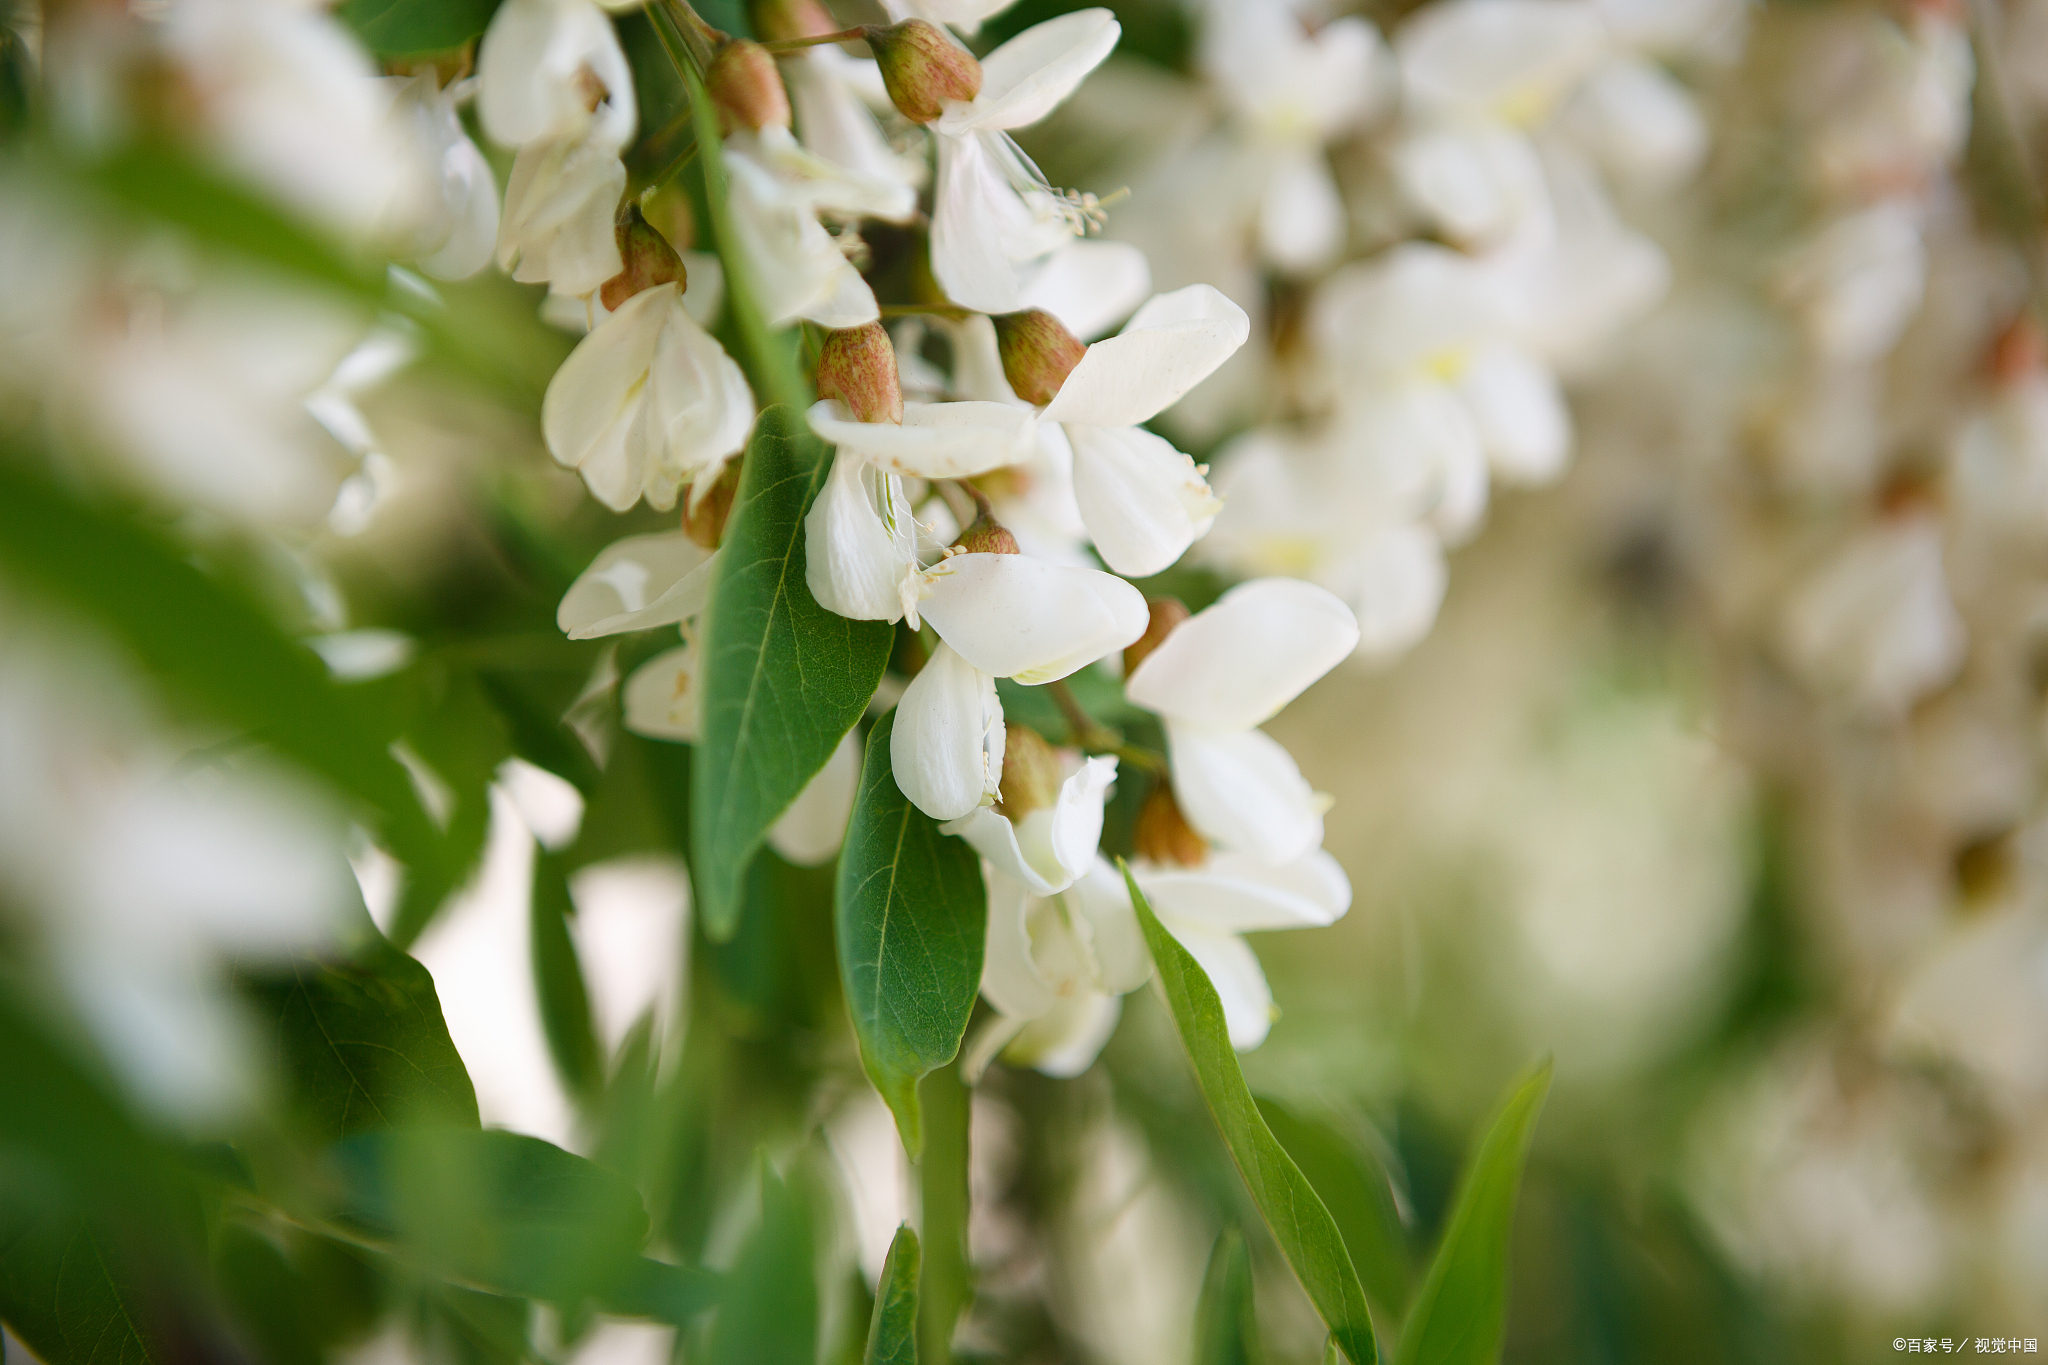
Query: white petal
x,y
855,561
1508,59
809,832
1065,1040
661,698
1520,413
834,121
1425,427
1026,78
1009,977
934,440
1394,582
947,745
1231,893
1175,342
1481,184
1233,665
1089,285
1014,617
1076,817
1233,969
972,211
1301,215
637,583
1641,123
1047,849
1240,790
594,400
557,224
1102,902
1409,313
1142,501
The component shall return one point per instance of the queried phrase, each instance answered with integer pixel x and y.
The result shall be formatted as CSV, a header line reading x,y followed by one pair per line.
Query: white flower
x,y
965,15
1090,286
1208,908
1143,501
832,95
997,616
561,207
1859,281
992,209
1639,121
553,69
777,191
455,228
646,403
1222,673
638,583
1293,93
1045,850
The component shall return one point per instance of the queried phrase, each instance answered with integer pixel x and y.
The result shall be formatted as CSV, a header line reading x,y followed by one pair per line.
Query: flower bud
x,y
1166,613
2018,352
1038,353
1031,773
923,68
782,21
987,536
649,259
746,87
1163,834
704,518
858,367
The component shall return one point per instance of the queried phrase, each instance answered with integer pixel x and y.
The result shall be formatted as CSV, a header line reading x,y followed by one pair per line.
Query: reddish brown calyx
x,y
704,517
746,88
786,21
1031,773
987,536
649,261
857,367
1163,834
1164,613
923,68
1038,353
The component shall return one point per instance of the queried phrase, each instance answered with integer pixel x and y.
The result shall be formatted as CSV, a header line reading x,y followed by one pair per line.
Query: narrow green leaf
x,y
565,1012
1226,1323
784,679
1307,1235
911,918
405,28
361,1044
892,1331
768,1314
1460,1314
1354,1188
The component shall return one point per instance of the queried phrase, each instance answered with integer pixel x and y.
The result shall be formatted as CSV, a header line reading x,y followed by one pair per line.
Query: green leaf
x,y
784,679
1307,1235
1460,1314
1354,1188
565,1012
768,1314
403,28
495,1210
892,1331
1226,1326
361,1044
66,1293
911,918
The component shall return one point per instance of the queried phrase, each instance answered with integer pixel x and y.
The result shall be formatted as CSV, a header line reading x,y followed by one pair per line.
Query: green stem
x,y
914,310
702,39
947,1281
856,34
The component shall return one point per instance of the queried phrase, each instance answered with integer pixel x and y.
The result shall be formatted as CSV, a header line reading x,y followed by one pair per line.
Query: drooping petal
x,y
557,225
1026,78
1233,969
997,839
595,397
973,212
1520,413
1074,829
1173,343
809,832
1394,582
661,698
1242,791
1065,1040
947,747
1142,501
637,583
856,557
834,121
1014,617
1046,849
1102,903
934,440
1301,215
699,407
533,69
1231,893
1233,665
1089,285
1009,977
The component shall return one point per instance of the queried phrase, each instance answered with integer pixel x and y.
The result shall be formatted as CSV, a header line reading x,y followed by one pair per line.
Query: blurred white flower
x,y
454,230
1858,282
553,70
560,215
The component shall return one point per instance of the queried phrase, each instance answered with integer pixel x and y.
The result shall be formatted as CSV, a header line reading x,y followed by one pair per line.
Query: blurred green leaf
x,y
405,28
911,916
1354,1188
768,1314
214,649
1307,1235
784,679
1226,1324
361,1044
1460,1314
892,1331
496,1210
67,1294
565,1012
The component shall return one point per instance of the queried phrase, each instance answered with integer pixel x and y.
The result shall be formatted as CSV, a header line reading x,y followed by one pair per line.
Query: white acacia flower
x,y
646,403
833,96
1089,285
1046,850
455,228
554,70
1143,501
965,15
1859,281
1221,674
561,207
1209,908
993,210
638,583
997,616
1293,92
777,190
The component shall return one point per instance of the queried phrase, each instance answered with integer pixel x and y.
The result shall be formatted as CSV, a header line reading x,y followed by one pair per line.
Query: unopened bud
x,y
858,367
1163,834
923,68
782,21
746,87
704,516
1031,772
1166,613
987,536
649,259
1038,353
2018,352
